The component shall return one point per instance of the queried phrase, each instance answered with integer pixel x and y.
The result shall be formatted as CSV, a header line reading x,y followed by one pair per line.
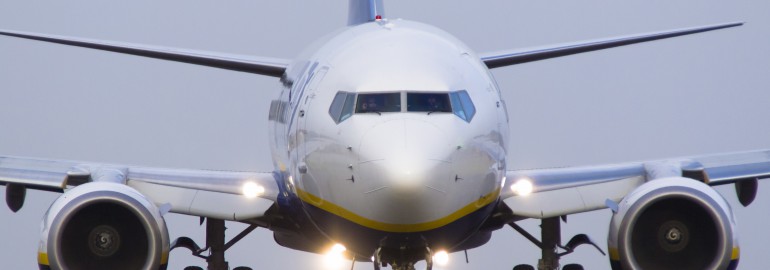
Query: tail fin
x,y
362,11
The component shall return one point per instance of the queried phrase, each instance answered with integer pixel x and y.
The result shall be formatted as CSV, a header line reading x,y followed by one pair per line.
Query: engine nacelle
x,y
103,225
673,223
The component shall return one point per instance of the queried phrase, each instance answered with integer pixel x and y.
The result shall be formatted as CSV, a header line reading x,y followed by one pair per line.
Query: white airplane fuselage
x,y
399,178
389,141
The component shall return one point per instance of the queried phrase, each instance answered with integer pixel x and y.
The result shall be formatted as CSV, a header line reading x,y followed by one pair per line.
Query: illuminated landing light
x,y
252,190
441,258
338,248
523,187
335,257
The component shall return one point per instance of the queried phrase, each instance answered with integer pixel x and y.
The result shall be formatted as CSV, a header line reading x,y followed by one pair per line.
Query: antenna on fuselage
x,y
363,11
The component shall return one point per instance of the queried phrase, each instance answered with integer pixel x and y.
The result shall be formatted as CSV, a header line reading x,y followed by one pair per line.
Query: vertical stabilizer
x,y
361,11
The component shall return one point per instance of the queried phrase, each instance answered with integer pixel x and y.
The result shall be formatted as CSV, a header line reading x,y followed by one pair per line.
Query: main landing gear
x,y
215,245
404,262
550,243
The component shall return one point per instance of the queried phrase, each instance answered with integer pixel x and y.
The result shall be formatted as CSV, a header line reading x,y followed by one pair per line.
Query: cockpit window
x,y
342,106
457,102
462,105
428,102
378,103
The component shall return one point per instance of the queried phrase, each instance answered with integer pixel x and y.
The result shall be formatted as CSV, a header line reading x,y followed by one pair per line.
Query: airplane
x,y
143,177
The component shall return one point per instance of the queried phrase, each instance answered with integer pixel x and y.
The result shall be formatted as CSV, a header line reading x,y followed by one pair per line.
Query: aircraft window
x,y
342,106
347,110
378,103
462,105
428,102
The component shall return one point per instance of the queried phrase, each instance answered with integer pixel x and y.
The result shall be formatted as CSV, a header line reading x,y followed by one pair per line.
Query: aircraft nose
x,y
406,163
405,139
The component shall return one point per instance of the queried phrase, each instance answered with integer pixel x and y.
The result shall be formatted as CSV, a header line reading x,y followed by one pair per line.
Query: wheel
x,y
572,266
242,268
523,267
193,268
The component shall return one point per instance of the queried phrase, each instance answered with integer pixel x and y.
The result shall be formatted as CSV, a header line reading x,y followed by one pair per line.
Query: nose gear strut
x,y
378,263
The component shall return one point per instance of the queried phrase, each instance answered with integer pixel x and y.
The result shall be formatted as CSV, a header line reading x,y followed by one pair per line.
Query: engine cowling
x,y
103,225
673,223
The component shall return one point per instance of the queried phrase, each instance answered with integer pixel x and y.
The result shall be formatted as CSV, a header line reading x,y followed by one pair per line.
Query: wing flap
x,y
732,167
35,173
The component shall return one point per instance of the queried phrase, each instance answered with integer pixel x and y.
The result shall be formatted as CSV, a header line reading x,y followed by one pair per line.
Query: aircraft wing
x,y
520,56
258,65
561,191
225,195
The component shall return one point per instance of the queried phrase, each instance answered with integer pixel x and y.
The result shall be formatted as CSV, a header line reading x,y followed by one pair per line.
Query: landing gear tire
x,y
242,268
572,266
523,267
193,268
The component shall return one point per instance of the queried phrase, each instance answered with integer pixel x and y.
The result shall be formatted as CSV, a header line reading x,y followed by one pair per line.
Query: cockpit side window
x,y
428,102
462,106
342,106
378,103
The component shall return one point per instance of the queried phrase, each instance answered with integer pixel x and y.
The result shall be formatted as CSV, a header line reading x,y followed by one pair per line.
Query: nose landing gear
x,y
404,263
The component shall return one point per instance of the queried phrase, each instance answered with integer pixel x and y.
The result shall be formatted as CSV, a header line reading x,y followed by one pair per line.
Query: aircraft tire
x,y
572,266
523,267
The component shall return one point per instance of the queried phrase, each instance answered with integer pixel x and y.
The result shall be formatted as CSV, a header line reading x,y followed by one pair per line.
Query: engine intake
x,y
673,223
103,226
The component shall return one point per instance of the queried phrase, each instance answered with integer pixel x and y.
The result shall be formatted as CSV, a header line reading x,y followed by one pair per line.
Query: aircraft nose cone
x,y
406,163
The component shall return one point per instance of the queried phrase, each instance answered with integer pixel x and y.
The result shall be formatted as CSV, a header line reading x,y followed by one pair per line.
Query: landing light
x,y
441,258
338,248
335,257
523,187
252,190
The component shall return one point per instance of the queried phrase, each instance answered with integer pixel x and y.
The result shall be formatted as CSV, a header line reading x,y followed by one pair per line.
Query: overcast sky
x,y
699,94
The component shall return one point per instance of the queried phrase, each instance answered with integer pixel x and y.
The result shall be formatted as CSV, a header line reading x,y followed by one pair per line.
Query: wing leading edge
x,y
274,67
214,194
562,191
520,56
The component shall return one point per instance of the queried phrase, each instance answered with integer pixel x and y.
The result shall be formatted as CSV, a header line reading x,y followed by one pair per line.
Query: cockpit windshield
x,y
428,102
345,104
378,103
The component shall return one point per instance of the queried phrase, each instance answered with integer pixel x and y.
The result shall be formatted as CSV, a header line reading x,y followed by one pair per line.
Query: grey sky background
x,y
699,94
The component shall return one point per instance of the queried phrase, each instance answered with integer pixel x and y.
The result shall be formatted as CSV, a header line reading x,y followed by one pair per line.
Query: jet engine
x,y
103,225
673,223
